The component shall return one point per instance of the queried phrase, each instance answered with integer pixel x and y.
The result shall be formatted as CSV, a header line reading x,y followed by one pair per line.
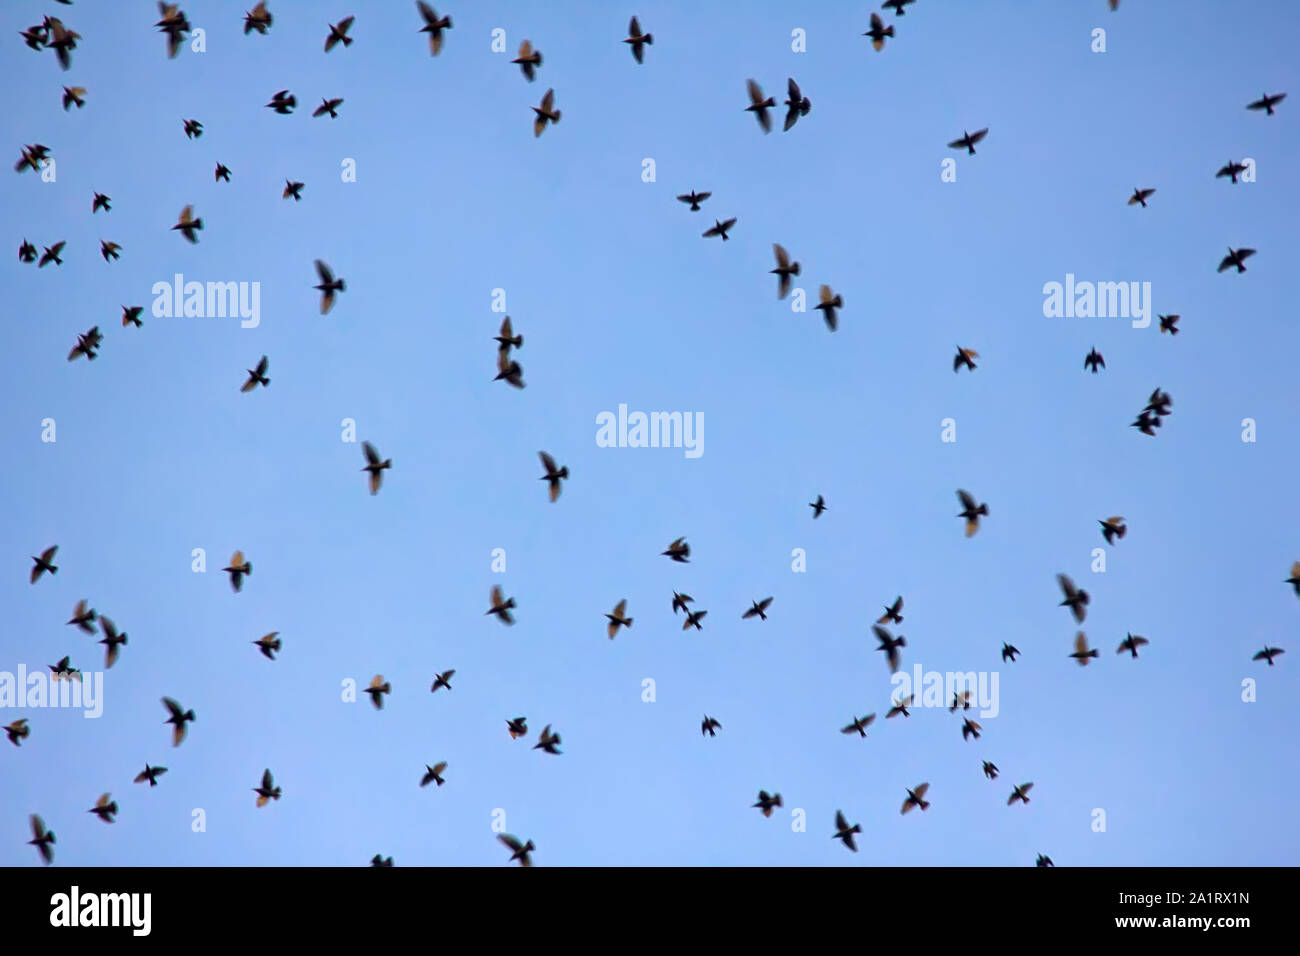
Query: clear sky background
x,y
620,300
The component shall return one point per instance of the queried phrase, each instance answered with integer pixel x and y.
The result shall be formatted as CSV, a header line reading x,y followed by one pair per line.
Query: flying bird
x,y
1266,102
500,606
1267,654
26,252
759,106
151,774
442,680
1159,403
1236,257
900,707
1081,650
17,731
179,717
1044,860
961,700
188,225
1113,528
968,140
238,569
720,229
268,791
433,774
328,286
890,645
528,60
269,645
87,344
292,189
767,802
964,357
694,618
638,40
193,129
222,172
51,254
1294,579
971,512
828,304
891,615
283,102
374,466
101,202
379,860
44,563
1076,599
506,338
859,725
1146,423
259,19
518,851
783,271
517,728
1140,197
896,5
798,104
548,741
339,34
618,618
74,94
433,25
43,839
553,474
679,551
113,642
845,832
1131,643
1020,793
709,726
63,41
84,616
546,113
759,609
1009,653
64,670
693,199
32,157
818,506
109,250
174,23
509,370
970,729
916,798
257,376
377,689
681,600
990,770
328,106
1232,169
878,32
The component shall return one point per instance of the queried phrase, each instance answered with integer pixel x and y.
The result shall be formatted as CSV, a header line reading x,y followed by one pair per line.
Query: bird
x,y
64,670
44,563
84,616
618,618
693,199
109,250
546,113
900,707
1131,643
131,316
1236,257
268,791
18,730
517,728
32,158
1020,793
87,344
1009,653
971,512
1043,860
970,729
968,140
638,40
74,94
500,606
151,774
720,228
193,129
1267,654
42,839
283,102
328,106
433,25
377,689
1081,650
1076,599
548,741
818,506
222,172
380,860
374,466
759,106
26,252
964,357
878,32
1294,579
1113,528
433,774
173,23
509,370
328,286
990,770
113,641
258,19
1159,403
828,302
63,41
528,60
257,376
293,189
101,202
679,551
891,615
961,700
890,645
1169,323
35,37
51,254
916,798
1266,102
783,271
767,802
188,225
269,645
506,338
694,618
179,717
859,725
518,851
553,474
238,569
442,680
710,726
896,5
758,609
339,34
798,104
845,832
1231,170
1140,197
681,600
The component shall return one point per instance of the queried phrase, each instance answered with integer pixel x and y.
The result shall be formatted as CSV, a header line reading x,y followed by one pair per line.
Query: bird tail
x,y
539,59
342,286
510,602
925,804
198,223
984,510
649,38
556,119
519,341
628,622
563,472
347,41
794,269
1122,530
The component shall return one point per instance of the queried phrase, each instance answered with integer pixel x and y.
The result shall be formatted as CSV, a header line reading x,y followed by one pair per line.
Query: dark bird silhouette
x,y
374,466
1236,257
328,106
528,60
1112,528
433,774
1042,859
1169,323
63,41
509,370
42,839
1076,599
283,102
818,506
767,802
1082,651
268,791
546,113
891,615
101,202
109,250
890,645
1140,197
87,344
258,19
257,376
517,728
1159,403
990,770
916,798
970,729
32,157
379,860
638,40
18,730
1294,579
174,23
64,670
151,774
188,225
693,618
720,229
518,851
1267,654
679,551
961,700
900,707
433,25
193,129
553,475
1020,793
859,725
1009,653
759,106
797,104
878,32
828,305
1093,360
784,270
964,357
759,609
442,680
26,252
377,689
500,606
1131,643
506,338
1146,423
238,569
221,172
339,34
618,618
968,140
896,5
292,189
43,563
113,642
84,616
1266,102
971,512
1231,170
845,832
269,645
681,600
179,717
51,254
693,199
328,287
74,94
709,726
548,741
35,37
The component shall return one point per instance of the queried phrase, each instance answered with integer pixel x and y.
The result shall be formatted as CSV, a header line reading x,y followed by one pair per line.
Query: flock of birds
x,y
52,34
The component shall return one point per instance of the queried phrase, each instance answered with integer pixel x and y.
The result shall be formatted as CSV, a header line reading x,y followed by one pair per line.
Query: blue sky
x,y
619,300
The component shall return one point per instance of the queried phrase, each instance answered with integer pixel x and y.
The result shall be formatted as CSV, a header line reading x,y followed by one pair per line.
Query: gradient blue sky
x,y
621,301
